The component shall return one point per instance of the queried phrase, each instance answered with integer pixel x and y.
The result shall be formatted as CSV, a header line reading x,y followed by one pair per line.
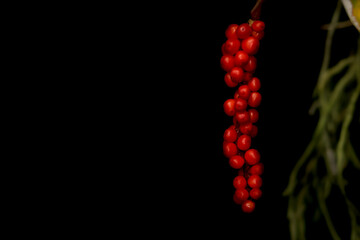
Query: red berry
x,y
230,135
258,25
240,104
243,31
236,200
254,131
229,107
246,128
255,193
239,182
241,58
251,65
237,95
242,194
252,156
254,84
231,31
257,169
247,76
237,74
244,142
258,35
236,161
250,45
242,117
223,50
229,149
253,114
232,127
227,62
232,46
254,181
248,206
229,82
244,92
254,99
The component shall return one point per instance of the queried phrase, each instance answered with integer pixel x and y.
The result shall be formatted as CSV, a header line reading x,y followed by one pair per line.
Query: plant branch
x,y
328,43
256,11
343,24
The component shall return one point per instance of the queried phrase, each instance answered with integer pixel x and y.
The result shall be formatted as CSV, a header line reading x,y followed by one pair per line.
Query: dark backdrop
x,y
191,189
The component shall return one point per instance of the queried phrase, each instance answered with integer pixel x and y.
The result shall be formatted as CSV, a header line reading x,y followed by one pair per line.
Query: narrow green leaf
x,y
325,212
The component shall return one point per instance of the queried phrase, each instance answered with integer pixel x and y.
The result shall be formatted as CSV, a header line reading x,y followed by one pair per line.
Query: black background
x,y
139,121
180,92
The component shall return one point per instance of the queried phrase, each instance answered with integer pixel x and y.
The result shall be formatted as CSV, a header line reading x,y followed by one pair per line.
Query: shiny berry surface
x,y
240,64
243,31
250,45
239,182
244,142
252,156
248,206
236,162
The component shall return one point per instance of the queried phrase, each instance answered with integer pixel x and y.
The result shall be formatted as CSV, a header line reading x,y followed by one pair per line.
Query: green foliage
x,y
336,94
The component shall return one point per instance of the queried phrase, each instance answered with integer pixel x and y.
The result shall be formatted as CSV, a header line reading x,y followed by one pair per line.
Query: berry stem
x,y
256,11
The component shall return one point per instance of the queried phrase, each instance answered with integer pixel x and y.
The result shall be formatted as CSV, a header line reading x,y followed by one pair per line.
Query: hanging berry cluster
x,y
239,62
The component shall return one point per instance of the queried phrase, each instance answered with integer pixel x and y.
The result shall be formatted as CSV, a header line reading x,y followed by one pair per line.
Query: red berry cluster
x,y
239,62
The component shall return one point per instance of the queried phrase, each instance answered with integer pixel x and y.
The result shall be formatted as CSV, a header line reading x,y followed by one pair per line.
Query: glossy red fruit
x,y
232,46
230,32
236,161
254,131
232,127
242,117
242,194
254,84
223,50
243,31
236,200
251,65
229,107
248,206
229,149
241,58
237,74
254,181
258,35
229,82
253,114
239,182
244,92
246,128
258,25
256,169
227,62
254,99
240,104
250,45
243,142
255,193
252,156
230,135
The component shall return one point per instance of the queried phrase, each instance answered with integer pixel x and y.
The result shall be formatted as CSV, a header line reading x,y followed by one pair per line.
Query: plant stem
x,y
325,212
256,11
327,51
